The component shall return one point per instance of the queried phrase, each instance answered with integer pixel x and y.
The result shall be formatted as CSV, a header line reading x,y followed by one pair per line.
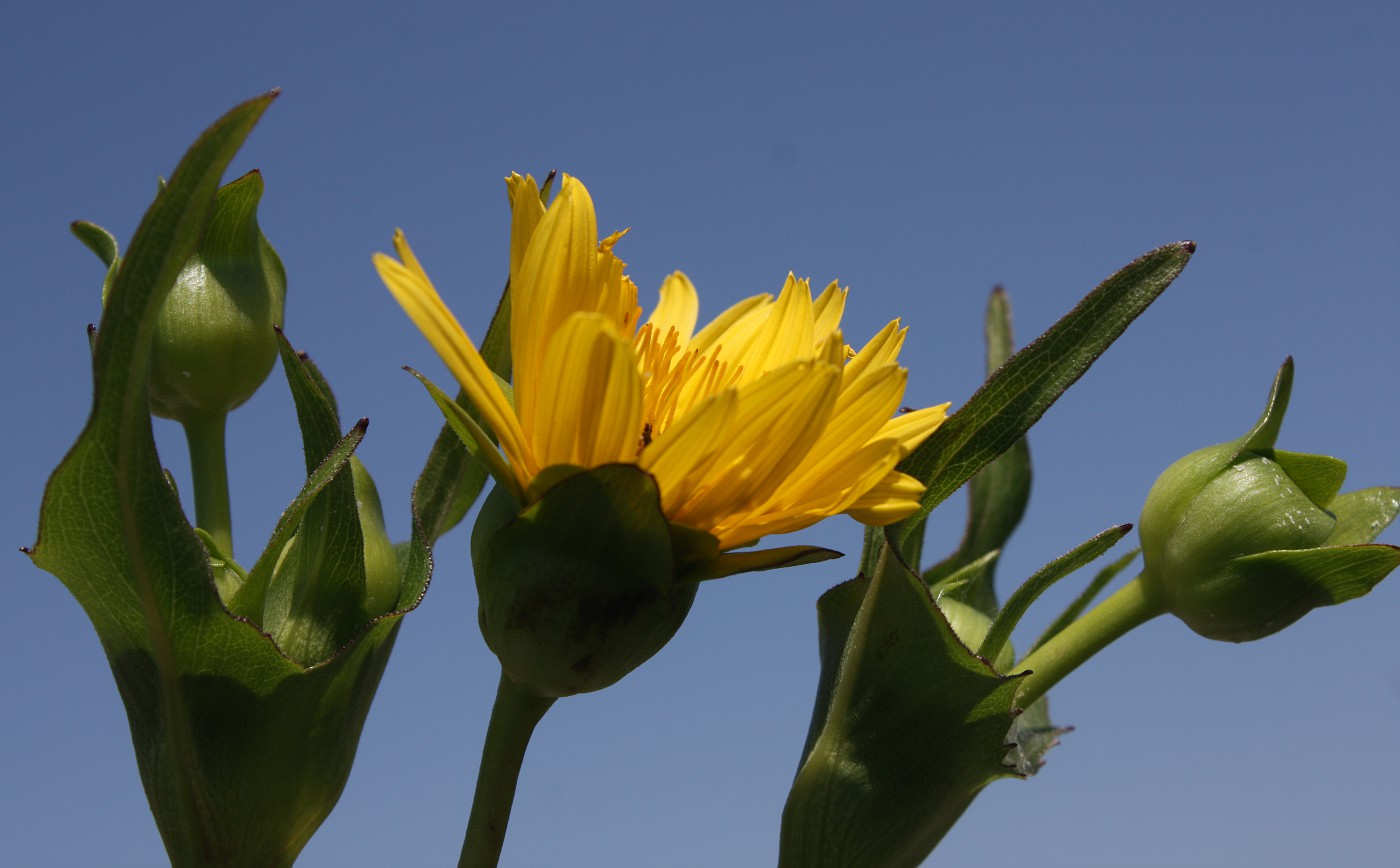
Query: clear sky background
x,y
919,152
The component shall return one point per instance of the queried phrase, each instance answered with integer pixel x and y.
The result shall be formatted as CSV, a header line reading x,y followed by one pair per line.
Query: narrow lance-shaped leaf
x,y
1020,392
1020,601
997,495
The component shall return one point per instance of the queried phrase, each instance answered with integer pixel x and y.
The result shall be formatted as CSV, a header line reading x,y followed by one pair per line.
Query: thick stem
x,y
513,720
1131,606
209,468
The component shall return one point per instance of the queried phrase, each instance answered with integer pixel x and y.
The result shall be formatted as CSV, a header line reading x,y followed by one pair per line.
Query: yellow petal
x,y
410,285
883,349
679,457
590,396
914,427
559,266
717,332
894,498
526,211
786,336
774,426
857,419
678,308
828,308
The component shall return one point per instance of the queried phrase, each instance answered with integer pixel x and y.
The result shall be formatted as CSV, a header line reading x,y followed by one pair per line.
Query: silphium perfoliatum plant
x,y
245,689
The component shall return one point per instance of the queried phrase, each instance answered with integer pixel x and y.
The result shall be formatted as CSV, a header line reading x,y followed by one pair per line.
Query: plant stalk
x,y
209,470
513,720
1131,606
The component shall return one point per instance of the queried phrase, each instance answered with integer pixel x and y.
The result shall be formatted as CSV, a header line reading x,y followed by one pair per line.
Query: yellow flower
x,y
763,422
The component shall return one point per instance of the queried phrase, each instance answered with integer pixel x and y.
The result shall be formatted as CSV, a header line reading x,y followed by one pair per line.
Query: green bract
x,y
1241,539
590,580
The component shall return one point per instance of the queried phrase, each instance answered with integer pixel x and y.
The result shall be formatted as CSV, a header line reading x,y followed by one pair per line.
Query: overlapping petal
x,y
761,422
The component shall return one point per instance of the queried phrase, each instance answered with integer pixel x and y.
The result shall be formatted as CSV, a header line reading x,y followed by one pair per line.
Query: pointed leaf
x,y
997,495
733,563
1319,477
96,239
248,602
1016,396
1020,601
472,436
1262,436
1362,515
1319,577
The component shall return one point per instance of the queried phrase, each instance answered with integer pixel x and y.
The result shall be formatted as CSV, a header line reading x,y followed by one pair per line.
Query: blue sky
x,y
918,152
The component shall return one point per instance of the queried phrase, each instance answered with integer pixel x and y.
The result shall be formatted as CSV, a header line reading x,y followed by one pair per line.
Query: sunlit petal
x,y
410,286
678,308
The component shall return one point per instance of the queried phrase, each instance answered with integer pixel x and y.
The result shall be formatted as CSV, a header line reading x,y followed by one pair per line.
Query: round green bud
x,y
1242,539
1209,518
214,343
580,587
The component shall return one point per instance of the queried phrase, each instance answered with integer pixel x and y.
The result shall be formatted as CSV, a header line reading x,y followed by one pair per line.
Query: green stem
x,y
209,468
513,719
1131,606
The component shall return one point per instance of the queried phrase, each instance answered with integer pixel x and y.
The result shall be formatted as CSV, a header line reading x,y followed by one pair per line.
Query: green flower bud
x,y
1240,540
971,625
582,586
214,343
590,580
316,601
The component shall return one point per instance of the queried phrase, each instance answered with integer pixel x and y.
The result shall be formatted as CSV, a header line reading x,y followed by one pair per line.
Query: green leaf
x,y
1262,436
1319,477
1318,577
907,728
1020,392
1362,515
242,751
96,239
1020,601
997,495
733,563
472,436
